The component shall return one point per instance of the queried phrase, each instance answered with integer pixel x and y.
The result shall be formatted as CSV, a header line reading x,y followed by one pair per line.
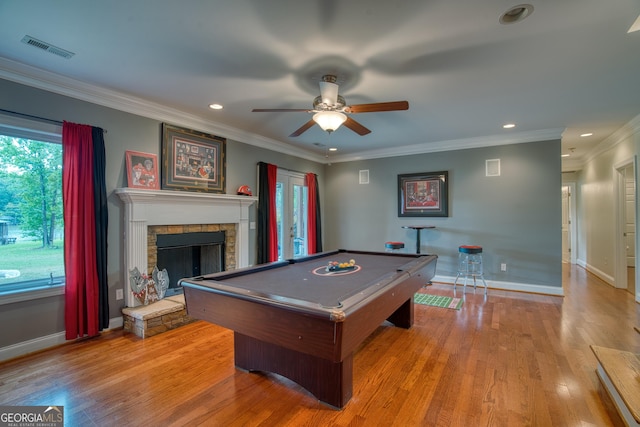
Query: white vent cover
x,y
493,167
48,47
364,176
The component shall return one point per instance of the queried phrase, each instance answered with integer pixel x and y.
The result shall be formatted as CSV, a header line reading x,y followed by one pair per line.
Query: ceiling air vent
x,y
47,47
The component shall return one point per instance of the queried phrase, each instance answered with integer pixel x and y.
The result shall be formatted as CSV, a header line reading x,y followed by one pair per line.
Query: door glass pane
x,y
299,216
280,217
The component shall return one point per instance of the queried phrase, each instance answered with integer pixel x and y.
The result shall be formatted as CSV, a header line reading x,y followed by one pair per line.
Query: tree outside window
x,y
31,254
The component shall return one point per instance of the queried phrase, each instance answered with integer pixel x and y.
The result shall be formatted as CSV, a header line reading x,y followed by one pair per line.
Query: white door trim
x,y
620,280
573,221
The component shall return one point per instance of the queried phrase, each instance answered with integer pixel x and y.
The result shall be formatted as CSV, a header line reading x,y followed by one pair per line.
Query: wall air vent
x,y
47,47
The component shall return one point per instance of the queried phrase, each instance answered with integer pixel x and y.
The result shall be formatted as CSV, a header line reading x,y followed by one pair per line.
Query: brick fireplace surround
x,y
150,212
229,242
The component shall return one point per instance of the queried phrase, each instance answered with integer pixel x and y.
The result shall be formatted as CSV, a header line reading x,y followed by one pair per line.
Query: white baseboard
x,y
116,322
601,274
41,343
30,346
510,286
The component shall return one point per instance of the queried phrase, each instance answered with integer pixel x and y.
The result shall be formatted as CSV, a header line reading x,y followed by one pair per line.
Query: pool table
x,y
299,320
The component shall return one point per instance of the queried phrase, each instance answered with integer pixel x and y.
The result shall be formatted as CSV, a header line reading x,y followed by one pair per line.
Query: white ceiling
x,y
569,68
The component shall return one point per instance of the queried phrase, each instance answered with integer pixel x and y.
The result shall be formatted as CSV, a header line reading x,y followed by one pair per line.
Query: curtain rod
x,y
291,170
42,119
288,170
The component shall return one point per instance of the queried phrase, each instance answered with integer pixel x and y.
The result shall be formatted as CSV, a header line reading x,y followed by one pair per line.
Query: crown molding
x,y
56,83
451,145
625,132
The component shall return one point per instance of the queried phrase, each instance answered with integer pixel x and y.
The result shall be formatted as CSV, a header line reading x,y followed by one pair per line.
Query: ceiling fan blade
x,y
356,127
280,110
303,128
378,106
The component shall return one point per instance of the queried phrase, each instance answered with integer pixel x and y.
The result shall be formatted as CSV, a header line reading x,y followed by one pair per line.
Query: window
x,y
31,219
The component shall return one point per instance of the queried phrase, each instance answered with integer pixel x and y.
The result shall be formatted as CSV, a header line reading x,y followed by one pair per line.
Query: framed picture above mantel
x,y
423,194
192,161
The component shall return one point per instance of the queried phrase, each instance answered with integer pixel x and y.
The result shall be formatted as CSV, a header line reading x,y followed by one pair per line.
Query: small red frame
x,y
142,170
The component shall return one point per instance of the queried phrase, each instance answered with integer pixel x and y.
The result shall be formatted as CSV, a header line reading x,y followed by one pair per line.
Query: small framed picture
x,y
142,170
423,194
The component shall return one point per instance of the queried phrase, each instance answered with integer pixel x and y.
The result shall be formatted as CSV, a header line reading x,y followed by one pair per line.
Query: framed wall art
x,y
192,161
142,170
423,194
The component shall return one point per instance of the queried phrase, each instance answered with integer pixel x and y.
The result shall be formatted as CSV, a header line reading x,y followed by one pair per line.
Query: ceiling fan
x,y
330,109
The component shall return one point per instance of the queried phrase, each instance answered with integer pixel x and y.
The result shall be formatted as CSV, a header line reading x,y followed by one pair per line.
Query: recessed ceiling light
x,y
216,106
333,149
516,14
586,134
509,126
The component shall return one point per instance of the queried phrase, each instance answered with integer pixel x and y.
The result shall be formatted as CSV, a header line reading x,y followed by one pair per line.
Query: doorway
x,y
626,226
291,214
568,223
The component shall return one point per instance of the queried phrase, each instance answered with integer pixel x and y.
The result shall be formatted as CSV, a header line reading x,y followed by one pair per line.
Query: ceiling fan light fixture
x,y
329,120
329,93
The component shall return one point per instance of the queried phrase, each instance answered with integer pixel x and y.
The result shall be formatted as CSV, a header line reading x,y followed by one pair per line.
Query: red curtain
x,y
81,291
312,195
272,177
267,222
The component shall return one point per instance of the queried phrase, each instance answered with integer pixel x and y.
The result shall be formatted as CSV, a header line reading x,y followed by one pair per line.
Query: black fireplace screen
x,y
190,255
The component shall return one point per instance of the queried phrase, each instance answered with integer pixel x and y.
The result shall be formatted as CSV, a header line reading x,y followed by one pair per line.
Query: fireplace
x,y
149,213
189,254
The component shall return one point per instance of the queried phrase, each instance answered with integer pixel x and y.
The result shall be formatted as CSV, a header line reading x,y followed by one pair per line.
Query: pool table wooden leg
x,y
403,316
330,382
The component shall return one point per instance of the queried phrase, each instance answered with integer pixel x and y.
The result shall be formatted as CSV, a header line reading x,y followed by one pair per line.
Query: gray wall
x,y
45,316
516,217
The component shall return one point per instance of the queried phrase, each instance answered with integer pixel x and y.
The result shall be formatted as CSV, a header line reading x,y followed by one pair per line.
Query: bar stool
x,y
470,265
393,246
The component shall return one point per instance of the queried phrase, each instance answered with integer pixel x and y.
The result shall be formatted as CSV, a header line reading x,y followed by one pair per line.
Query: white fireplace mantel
x,y
157,207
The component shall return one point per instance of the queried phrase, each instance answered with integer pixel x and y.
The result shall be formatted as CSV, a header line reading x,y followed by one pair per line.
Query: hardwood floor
x,y
513,360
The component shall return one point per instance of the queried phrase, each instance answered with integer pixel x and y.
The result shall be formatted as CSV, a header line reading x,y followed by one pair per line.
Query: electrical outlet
x,y
119,294
503,267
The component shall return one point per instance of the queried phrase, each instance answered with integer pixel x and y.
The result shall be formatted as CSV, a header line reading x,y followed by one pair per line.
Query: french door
x,y
291,215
